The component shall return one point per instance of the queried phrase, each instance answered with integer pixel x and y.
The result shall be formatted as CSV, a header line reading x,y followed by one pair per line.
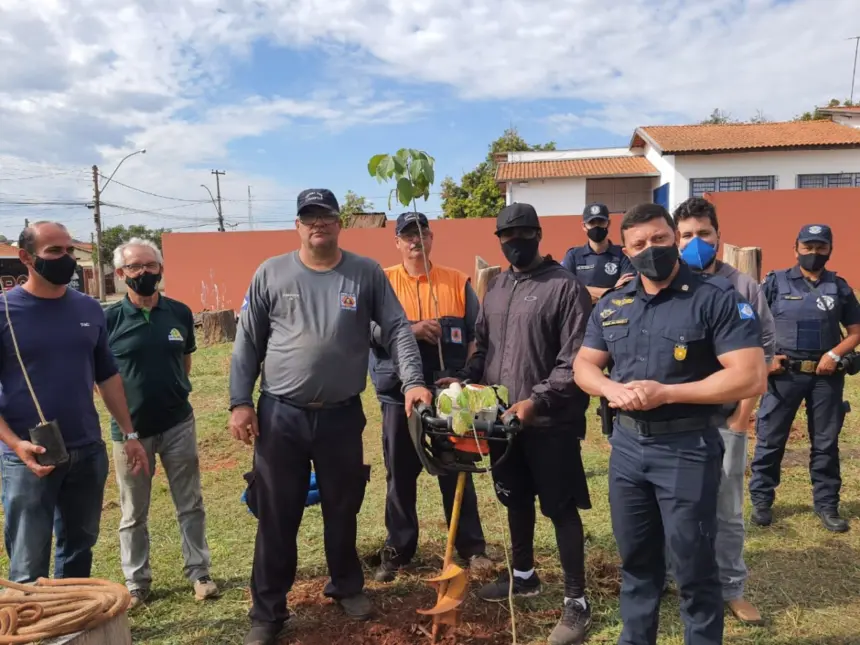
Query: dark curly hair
x,y
698,208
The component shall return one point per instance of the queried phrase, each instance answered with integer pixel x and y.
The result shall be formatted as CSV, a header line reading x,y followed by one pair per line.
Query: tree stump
x,y
480,263
116,631
746,259
219,326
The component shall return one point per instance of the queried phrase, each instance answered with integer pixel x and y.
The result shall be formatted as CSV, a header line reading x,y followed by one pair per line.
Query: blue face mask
x,y
699,254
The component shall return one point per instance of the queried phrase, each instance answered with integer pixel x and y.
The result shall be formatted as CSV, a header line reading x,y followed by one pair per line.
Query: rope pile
x,y
53,608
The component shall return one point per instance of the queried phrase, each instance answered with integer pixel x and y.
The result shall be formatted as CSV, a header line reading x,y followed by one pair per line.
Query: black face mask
x,y
58,271
145,284
597,234
656,262
521,251
812,261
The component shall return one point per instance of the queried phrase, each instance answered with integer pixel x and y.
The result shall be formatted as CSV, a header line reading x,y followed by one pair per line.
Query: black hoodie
x,y
529,329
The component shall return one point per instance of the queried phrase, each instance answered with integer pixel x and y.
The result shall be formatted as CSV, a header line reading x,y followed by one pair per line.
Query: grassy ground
x,y
805,580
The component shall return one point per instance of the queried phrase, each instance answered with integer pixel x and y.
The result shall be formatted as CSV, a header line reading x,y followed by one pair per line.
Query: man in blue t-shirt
x,y
62,339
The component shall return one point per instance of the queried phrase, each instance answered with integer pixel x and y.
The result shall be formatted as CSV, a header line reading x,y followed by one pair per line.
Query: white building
x,y
668,164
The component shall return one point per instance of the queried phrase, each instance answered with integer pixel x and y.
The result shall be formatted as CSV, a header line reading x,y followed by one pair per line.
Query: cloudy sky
x,y
287,94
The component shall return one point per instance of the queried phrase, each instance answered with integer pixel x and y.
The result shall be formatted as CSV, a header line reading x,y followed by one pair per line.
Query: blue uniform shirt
x,y
674,336
64,344
807,315
600,270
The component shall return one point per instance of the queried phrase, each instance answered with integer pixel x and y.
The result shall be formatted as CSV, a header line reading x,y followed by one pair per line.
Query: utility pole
x,y
856,40
218,174
26,223
98,265
250,217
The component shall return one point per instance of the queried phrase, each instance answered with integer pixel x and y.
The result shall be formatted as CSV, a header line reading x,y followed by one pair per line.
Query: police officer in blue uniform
x,y
681,345
599,264
808,304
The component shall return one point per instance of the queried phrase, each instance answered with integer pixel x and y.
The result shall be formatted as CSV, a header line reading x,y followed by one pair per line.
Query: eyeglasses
x,y
152,267
413,233
322,218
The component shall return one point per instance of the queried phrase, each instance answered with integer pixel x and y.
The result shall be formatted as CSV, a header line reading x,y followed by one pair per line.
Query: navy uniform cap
x,y
517,216
595,211
815,233
408,218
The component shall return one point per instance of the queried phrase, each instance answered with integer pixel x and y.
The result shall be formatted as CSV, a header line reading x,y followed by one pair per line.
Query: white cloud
x,y
90,80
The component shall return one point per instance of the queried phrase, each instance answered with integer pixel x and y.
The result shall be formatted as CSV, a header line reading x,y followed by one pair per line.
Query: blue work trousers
x,y
825,414
66,503
663,492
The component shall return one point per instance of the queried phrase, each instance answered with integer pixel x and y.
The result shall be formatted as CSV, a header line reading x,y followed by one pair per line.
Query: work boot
x,y
138,598
574,624
205,588
744,611
357,607
832,521
480,564
264,633
498,591
761,516
389,564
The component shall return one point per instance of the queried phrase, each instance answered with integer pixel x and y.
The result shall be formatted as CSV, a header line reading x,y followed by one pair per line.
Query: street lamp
x,y
97,219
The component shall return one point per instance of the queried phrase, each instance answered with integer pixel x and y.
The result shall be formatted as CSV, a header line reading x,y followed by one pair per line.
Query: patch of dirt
x,y
215,465
319,621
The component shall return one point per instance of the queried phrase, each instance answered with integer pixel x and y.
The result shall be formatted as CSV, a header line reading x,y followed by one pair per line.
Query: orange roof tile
x,y
594,167
735,137
8,251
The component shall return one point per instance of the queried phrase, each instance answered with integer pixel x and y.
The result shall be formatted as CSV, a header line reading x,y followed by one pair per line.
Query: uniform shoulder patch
x,y
745,311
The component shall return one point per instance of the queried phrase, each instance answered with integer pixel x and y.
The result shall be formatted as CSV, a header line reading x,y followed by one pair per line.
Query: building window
x,y
699,187
836,180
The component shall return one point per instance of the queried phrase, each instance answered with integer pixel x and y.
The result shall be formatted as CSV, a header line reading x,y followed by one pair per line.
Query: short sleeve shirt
x,y
600,270
150,348
674,336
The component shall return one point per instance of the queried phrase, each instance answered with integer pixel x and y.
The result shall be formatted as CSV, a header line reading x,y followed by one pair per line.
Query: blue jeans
x,y
68,503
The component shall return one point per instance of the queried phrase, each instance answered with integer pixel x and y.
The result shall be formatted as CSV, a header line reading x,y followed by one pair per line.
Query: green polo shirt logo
x,y
150,347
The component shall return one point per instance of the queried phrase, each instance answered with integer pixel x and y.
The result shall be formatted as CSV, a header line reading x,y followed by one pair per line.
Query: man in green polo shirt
x,y
152,338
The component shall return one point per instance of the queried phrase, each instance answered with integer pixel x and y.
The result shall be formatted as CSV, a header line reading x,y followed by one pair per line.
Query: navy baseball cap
x,y
517,216
407,219
595,211
321,197
815,233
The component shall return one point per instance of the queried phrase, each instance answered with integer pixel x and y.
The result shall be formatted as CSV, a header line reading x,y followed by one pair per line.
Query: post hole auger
x,y
442,451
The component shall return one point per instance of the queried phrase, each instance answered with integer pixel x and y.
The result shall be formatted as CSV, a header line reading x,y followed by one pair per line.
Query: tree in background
x,y
115,235
816,115
353,204
477,194
720,117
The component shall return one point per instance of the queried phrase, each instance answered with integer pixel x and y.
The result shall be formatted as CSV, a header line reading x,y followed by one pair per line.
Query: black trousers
x,y
403,468
290,439
546,463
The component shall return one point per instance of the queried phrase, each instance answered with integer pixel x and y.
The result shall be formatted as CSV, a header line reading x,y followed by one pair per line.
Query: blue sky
x,y
287,94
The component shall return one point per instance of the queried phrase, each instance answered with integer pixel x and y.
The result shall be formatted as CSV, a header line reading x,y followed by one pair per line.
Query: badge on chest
x,y
680,352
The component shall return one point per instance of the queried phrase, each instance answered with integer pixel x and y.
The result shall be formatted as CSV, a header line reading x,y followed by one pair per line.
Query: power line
x,y
151,194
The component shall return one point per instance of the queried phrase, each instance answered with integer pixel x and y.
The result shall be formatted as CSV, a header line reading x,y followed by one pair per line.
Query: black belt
x,y
808,366
671,426
313,405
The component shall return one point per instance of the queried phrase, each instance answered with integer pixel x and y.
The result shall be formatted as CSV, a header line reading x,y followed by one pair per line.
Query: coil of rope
x,y
52,608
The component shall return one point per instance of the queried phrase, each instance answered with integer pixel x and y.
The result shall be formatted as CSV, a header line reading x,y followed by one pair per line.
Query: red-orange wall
x,y
212,270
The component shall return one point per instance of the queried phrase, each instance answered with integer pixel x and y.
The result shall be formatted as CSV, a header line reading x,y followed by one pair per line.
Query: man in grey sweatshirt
x,y
699,229
305,324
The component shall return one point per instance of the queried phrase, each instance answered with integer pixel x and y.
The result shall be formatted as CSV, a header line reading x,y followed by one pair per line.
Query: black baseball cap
x,y
517,216
409,218
595,211
815,233
321,197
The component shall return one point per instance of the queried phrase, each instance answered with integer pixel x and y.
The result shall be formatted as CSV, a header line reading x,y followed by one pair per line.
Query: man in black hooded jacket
x,y
531,325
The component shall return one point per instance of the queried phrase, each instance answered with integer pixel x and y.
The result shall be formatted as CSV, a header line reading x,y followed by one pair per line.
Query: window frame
x,y
739,183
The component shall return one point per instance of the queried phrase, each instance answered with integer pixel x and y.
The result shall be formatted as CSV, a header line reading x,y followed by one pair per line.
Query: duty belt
x,y
808,366
671,426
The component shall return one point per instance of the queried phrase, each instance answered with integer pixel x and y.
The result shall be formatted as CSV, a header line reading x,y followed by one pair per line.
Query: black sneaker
x,y
357,607
761,516
832,521
573,626
264,633
388,565
498,591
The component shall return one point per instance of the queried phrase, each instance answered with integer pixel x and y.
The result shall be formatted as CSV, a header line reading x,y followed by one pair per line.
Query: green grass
x,y
805,581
